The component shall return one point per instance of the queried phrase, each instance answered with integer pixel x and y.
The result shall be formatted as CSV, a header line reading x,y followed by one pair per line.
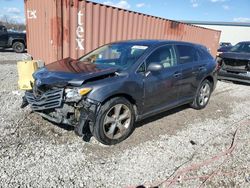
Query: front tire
x,y
202,95
18,47
115,121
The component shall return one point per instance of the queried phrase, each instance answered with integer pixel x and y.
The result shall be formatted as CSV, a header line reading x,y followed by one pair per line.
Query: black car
x,y
225,44
224,47
235,64
106,91
15,40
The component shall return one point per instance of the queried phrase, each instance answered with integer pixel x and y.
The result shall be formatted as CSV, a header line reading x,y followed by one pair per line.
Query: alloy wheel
x,y
204,94
117,121
18,47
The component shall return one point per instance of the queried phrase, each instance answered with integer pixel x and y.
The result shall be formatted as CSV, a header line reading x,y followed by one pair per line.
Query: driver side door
x,y
161,88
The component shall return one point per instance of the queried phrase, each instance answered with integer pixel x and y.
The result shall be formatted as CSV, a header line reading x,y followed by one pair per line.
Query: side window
x,y
246,48
187,54
2,29
204,55
164,55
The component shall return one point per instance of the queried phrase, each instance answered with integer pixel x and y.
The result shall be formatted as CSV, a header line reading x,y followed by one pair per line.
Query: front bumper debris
x,y
87,118
234,76
64,115
24,102
52,106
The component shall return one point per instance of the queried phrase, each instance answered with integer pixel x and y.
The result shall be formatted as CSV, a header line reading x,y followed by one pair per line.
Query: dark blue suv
x,y
106,91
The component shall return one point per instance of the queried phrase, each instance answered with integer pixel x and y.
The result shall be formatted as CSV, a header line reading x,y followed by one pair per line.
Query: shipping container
x,y
58,29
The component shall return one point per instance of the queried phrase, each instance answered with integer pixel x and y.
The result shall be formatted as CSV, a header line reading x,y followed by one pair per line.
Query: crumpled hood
x,y
69,71
233,55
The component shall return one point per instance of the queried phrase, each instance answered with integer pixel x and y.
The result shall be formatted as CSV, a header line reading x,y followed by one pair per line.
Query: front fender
x,y
133,88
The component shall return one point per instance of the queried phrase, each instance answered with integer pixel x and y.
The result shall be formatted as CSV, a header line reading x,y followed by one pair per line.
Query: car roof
x,y
154,42
244,42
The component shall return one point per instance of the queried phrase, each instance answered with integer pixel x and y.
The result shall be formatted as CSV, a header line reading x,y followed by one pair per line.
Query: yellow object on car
x,y
25,71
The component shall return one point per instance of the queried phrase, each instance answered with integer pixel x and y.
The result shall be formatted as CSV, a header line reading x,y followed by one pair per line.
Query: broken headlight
x,y
75,94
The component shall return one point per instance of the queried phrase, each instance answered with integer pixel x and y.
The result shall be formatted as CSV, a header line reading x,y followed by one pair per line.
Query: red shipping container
x,y
58,29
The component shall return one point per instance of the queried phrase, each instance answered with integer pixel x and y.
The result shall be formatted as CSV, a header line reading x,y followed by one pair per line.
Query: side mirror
x,y
155,67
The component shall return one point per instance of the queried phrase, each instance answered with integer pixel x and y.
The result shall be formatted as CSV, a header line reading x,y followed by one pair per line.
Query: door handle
x,y
177,74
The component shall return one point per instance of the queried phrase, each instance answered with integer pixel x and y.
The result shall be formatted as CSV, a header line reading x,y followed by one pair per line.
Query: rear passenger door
x,y
188,59
202,66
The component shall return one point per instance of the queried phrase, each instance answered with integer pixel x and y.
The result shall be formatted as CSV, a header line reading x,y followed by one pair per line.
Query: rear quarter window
x,y
204,54
187,54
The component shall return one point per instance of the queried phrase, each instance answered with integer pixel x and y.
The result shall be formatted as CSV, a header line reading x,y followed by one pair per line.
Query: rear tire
x,y
115,121
202,96
18,47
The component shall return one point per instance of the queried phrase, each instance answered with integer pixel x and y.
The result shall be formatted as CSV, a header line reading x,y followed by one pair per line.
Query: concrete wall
x,y
233,34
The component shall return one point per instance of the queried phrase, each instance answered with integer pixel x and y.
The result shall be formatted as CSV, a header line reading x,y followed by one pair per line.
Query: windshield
x,y
241,48
121,55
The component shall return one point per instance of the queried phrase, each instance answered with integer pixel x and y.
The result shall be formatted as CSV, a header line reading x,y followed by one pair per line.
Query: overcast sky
x,y
198,10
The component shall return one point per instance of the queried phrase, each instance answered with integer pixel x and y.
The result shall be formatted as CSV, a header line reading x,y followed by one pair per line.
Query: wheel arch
x,y
17,40
126,96
210,79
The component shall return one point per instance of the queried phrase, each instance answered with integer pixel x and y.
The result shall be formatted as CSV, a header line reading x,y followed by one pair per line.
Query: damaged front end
x,y
235,65
234,69
64,106
60,90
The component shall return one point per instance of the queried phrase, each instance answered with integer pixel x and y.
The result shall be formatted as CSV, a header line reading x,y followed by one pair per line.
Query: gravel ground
x,y
8,56
183,147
